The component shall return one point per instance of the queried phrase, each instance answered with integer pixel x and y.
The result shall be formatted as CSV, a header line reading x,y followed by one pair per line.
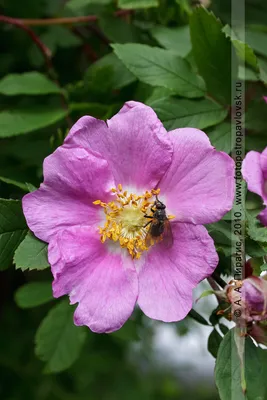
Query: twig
x,y
213,284
94,29
219,280
64,20
214,287
89,51
46,52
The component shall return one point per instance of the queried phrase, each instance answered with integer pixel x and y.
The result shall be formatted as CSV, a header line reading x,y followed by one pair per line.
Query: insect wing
x,y
167,234
150,240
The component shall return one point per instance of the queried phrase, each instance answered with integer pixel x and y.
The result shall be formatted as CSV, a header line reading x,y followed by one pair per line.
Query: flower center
x,y
125,220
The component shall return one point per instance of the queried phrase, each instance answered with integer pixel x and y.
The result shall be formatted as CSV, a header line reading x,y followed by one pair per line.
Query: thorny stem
x,y
95,29
213,284
19,23
58,21
219,280
89,51
25,23
46,52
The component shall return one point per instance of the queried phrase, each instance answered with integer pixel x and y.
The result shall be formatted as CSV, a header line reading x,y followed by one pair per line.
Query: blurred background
x,y
145,360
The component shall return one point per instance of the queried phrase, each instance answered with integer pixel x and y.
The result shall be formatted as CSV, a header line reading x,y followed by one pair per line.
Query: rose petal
x,y
253,292
134,142
252,172
103,282
263,217
199,185
73,179
263,162
168,275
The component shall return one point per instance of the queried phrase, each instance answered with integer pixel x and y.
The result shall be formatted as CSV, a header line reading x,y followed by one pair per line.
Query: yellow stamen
x,y
125,221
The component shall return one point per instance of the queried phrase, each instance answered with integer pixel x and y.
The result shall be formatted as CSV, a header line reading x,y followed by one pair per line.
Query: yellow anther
x,y
125,221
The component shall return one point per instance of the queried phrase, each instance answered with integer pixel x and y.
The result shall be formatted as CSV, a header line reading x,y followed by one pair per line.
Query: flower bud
x,y
254,298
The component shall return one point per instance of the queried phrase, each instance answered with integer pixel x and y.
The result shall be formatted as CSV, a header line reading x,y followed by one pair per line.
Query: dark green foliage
x,y
181,60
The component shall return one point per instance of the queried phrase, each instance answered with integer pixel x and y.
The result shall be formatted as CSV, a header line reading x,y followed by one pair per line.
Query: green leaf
x,y
118,30
222,235
97,110
33,294
257,40
119,76
175,39
264,267
197,317
29,83
247,74
58,340
185,6
62,36
255,230
263,69
214,342
30,187
254,249
31,254
158,67
13,229
20,121
128,332
20,185
221,138
205,294
135,4
55,36
76,4
158,93
228,371
256,117
243,50
178,113
223,328
212,53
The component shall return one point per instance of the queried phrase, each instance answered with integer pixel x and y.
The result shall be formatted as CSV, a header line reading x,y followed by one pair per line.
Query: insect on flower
x,y
110,237
159,225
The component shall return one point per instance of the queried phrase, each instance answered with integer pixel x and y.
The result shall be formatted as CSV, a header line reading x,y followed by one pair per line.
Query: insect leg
x,y
149,222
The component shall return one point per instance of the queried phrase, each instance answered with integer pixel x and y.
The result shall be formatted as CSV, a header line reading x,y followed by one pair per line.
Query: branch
x,y
59,21
88,50
42,47
219,280
46,52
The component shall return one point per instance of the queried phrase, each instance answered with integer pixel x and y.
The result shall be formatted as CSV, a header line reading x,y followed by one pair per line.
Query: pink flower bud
x,y
254,298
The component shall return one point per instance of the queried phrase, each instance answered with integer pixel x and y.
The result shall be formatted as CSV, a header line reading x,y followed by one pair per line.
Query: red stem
x,y
58,21
45,50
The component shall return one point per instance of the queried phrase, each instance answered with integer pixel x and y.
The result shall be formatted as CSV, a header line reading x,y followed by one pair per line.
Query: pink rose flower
x,y
250,297
90,209
254,297
254,170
